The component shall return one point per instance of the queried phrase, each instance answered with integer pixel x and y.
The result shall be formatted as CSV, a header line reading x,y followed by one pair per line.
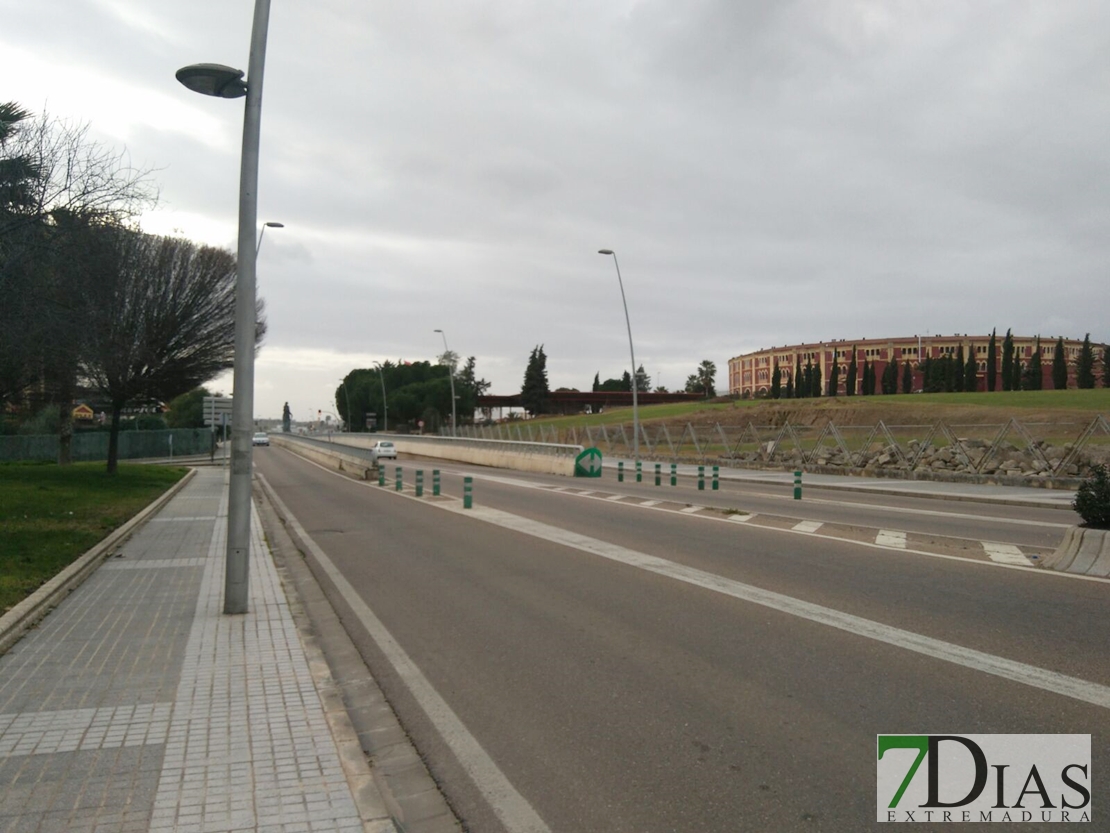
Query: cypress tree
x,y
1106,366
864,377
1059,366
992,362
958,371
815,385
834,379
1007,362
798,392
597,382
850,381
907,377
807,380
789,385
1015,369
776,381
971,370
1085,367
1031,378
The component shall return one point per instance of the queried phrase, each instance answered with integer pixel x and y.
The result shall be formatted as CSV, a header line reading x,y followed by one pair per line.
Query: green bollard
x,y
420,483
435,482
639,472
701,478
620,471
400,483
381,474
468,492
657,474
674,474
716,474
798,485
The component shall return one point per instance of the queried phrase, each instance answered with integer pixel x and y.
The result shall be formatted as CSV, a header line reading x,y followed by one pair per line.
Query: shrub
x,y
1092,501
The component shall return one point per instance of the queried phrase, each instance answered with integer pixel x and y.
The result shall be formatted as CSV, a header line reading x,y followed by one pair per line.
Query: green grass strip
x,y
50,515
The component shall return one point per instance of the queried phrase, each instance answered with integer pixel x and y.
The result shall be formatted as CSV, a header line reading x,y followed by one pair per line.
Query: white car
x,y
383,450
261,438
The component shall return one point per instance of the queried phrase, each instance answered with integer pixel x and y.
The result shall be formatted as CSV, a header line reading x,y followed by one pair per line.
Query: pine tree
x,y
907,377
850,381
534,392
1007,362
971,370
1085,367
992,361
776,381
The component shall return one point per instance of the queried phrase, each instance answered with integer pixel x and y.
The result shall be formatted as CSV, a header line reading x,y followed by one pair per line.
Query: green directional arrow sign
x,y
588,463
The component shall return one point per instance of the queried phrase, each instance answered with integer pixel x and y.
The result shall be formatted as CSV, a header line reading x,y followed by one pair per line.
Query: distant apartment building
x,y
750,374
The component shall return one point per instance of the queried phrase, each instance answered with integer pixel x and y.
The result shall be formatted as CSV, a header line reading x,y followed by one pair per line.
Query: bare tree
x,y
56,183
160,320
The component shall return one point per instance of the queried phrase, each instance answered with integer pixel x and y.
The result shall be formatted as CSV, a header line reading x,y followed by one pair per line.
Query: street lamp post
x,y
632,353
347,396
451,376
385,405
265,226
226,82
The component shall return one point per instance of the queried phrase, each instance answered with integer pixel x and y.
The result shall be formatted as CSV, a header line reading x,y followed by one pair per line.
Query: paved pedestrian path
x,y
137,705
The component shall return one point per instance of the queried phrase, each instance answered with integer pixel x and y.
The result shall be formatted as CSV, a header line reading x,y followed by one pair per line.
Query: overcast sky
x,y
767,173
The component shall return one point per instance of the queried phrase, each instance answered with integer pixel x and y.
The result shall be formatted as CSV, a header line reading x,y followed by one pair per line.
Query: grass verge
x,y
50,515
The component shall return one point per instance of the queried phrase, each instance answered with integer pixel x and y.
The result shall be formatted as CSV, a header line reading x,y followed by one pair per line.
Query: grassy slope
x,y
49,515
1065,406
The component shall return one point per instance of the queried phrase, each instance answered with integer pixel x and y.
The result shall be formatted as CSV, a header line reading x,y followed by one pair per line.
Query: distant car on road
x,y
261,438
383,450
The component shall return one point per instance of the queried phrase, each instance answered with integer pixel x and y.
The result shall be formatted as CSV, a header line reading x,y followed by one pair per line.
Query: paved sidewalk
x,y
137,705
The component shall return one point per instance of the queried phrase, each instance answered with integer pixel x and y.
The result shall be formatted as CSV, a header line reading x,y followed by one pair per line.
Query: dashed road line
x,y
741,519
891,538
1006,554
650,503
614,497
690,510
808,526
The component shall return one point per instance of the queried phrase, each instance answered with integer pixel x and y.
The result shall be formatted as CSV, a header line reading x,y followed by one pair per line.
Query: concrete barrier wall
x,y
331,458
545,458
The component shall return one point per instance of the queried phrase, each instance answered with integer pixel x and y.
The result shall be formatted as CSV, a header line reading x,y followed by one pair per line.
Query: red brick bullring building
x,y
750,375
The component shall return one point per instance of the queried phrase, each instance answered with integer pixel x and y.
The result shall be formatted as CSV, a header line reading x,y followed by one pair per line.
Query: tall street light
x,y
632,353
451,376
265,226
227,82
385,406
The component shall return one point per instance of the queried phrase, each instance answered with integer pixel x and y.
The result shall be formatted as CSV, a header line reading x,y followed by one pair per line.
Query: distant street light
x,y
226,82
632,353
385,406
265,226
347,396
451,376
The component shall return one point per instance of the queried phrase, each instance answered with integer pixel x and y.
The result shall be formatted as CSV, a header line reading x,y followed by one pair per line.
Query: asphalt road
x,y
586,663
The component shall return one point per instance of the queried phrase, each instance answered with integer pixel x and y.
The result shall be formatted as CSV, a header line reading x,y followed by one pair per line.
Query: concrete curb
x,y
1083,551
30,611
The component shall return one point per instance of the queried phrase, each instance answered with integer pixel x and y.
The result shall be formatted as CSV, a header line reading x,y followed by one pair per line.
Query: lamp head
x,y
604,251
213,79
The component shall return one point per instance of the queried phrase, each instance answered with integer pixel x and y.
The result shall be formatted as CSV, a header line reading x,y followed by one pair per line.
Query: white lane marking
x,y
1048,575
1020,672
740,519
690,510
1006,554
614,497
583,494
650,502
510,806
807,526
891,538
